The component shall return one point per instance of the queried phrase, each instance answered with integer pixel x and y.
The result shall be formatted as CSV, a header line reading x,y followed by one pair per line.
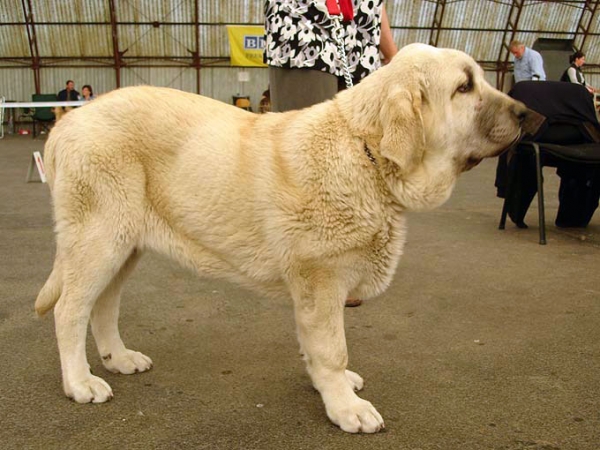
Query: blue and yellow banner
x,y
246,44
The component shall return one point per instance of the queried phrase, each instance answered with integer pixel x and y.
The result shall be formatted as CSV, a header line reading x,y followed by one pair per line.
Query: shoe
x,y
353,302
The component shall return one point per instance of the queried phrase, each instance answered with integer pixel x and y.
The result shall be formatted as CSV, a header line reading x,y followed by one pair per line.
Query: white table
x,y
40,104
4,105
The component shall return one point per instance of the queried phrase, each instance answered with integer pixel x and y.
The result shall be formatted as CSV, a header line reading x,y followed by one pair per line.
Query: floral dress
x,y
298,34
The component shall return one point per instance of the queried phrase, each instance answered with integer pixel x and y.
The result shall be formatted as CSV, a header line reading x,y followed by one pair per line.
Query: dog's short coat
x,y
308,203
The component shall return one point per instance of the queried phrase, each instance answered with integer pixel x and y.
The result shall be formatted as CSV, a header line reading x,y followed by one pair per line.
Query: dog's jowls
x,y
306,203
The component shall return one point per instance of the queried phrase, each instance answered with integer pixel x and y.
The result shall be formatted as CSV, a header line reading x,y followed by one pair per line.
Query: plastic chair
x,y
568,140
580,154
242,101
42,116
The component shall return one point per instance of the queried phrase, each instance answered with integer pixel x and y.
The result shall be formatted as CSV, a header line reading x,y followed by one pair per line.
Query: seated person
x,y
69,94
573,73
570,120
264,105
87,93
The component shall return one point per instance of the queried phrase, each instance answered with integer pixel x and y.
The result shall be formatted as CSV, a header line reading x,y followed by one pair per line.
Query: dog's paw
x,y
358,417
355,380
127,362
91,390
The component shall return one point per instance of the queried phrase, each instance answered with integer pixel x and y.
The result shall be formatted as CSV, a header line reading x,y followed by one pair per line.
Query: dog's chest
x,y
380,257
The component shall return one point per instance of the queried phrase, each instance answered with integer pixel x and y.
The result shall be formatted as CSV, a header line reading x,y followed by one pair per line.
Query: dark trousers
x,y
299,88
578,193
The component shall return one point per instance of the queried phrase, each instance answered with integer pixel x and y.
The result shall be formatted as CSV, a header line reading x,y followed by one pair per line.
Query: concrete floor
x,y
485,340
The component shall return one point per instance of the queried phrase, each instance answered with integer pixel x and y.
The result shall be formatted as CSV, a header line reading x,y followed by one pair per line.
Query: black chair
x,y
568,140
42,117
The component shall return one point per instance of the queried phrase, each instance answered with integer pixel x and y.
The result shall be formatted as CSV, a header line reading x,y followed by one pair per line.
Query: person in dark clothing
x,y
69,94
570,120
573,73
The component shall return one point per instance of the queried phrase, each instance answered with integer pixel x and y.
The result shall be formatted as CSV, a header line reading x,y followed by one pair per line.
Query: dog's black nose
x,y
529,120
521,111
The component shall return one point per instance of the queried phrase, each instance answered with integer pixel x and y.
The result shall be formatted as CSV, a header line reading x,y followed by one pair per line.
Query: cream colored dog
x,y
308,203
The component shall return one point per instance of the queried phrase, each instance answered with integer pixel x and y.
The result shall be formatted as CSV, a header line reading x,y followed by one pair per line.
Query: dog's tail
x,y
51,291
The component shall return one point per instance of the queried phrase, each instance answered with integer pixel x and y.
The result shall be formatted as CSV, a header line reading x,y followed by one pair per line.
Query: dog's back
x,y
146,168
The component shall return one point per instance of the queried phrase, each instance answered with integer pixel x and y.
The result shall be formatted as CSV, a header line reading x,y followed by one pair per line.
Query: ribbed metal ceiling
x,y
192,34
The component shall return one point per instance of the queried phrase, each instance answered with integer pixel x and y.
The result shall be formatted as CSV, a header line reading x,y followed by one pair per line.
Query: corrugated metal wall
x,y
60,34
220,83
148,32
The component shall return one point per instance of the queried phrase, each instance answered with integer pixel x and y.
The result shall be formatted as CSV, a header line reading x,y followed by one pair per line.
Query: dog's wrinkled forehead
x,y
452,65
425,52
459,65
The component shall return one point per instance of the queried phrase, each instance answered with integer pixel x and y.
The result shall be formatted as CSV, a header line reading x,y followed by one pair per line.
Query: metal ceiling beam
x,y
205,24
110,59
33,45
436,26
117,55
510,30
196,54
586,19
156,23
169,61
590,12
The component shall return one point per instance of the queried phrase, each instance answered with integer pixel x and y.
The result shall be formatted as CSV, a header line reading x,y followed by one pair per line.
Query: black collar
x,y
370,155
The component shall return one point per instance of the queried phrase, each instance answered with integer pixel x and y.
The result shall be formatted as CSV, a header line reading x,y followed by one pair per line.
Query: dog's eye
x,y
466,87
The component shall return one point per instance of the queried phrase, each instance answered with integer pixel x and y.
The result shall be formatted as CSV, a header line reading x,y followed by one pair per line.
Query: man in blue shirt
x,y
529,64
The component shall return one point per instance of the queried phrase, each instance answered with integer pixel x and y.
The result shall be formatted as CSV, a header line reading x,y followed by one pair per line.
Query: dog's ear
x,y
403,140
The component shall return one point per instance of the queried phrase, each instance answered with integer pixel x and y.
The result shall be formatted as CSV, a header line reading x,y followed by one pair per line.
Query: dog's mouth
x,y
514,142
473,161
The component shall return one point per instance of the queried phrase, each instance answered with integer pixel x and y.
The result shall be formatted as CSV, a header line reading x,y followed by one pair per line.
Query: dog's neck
x,y
362,117
426,187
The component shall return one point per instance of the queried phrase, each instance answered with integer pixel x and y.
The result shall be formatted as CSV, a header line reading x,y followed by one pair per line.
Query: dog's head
x,y
436,116
439,103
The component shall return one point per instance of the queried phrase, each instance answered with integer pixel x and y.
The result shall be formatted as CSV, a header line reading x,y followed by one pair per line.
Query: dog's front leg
x,y
319,312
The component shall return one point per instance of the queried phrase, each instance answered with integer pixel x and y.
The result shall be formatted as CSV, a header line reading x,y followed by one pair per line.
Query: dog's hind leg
x,y
105,327
319,311
89,264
